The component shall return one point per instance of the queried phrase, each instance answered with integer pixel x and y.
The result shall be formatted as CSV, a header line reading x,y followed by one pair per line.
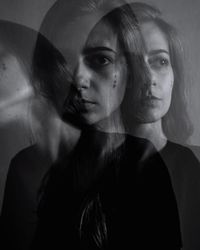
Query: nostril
x,y
147,82
154,83
82,83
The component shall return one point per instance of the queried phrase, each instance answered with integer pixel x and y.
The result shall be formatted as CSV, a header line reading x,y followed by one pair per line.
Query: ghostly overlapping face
x,y
152,98
98,66
15,89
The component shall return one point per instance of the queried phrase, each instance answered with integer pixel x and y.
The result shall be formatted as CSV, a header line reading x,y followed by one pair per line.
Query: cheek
x,y
121,75
167,84
119,86
110,87
115,80
171,79
12,82
111,95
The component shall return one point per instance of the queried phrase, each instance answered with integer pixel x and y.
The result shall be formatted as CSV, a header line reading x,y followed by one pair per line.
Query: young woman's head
x,y
16,47
101,50
162,94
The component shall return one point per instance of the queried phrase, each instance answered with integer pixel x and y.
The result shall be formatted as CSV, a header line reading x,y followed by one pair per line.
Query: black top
x,y
19,211
119,203
28,167
184,169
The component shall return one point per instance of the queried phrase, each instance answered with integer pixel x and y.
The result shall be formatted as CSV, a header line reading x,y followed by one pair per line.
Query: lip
x,y
85,101
86,104
150,101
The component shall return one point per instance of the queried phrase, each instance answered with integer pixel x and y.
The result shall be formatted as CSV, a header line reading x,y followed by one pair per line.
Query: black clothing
x,y
123,202
184,169
19,211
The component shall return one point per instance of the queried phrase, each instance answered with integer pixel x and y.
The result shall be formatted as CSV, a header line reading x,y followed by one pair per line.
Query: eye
x,y
98,60
101,60
159,62
164,62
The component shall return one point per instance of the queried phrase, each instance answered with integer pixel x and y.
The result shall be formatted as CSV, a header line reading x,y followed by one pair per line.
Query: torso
x,y
136,196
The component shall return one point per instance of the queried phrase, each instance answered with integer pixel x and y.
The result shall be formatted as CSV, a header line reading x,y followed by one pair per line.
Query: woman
x,y
160,114
87,199
167,65
21,103
16,47
16,92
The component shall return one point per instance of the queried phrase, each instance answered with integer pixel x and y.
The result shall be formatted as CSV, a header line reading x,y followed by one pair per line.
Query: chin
x,y
149,117
89,119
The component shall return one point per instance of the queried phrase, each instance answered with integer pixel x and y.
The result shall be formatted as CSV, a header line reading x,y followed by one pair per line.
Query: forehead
x,y
153,37
102,35
74,32
84,31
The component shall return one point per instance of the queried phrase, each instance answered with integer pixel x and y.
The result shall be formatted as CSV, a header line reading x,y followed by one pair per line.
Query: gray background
x,y
183,14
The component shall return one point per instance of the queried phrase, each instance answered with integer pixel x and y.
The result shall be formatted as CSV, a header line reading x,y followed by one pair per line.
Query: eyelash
x,y
96,61
159,62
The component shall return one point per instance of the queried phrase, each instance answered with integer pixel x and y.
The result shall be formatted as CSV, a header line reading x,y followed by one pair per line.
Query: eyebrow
x,y
158,51
98,49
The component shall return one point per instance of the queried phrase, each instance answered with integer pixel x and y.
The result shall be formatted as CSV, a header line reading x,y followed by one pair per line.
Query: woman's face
x,y
99,69
153,97
15,89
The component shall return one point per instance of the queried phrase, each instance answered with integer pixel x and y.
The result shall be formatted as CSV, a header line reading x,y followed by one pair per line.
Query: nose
x,y
82,76
150,77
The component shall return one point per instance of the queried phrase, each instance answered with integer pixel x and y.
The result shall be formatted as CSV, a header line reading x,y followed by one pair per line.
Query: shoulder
x,y
25,154
27,167
25,157
180,158
30,158
195,150
177,150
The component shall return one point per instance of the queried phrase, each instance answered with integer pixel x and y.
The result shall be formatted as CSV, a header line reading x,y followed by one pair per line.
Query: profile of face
x,y
152,98
15,89
98,66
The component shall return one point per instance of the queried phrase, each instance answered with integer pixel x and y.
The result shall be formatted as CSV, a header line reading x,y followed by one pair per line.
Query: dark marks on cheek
x,y
3,69
3,66
115,81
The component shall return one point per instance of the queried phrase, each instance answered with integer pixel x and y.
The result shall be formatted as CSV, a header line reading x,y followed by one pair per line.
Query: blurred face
x,y
15,90
153,98
99,69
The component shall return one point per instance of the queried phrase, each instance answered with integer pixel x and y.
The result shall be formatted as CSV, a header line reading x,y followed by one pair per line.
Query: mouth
x,y
86,101
86,105
150,100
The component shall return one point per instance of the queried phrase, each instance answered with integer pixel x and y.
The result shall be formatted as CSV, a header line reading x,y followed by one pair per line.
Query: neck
x,y
110,133
150,131
52,134
111,124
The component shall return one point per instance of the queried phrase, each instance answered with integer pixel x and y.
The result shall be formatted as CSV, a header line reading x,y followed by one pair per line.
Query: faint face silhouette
x,y
153,97
98,67
14,88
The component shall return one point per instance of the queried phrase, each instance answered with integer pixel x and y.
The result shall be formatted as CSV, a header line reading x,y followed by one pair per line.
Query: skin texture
x,y
153,97
99,71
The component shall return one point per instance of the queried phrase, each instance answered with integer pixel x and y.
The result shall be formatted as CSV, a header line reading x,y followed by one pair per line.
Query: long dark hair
x,y
50,76
53,70
176,123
